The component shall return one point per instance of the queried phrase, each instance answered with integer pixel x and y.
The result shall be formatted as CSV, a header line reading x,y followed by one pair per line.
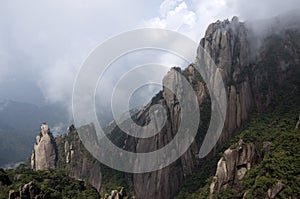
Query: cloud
x,y
176,15
58,129
167,6
11,165
44,43
192,17
47,41
124,66
56,81
263,9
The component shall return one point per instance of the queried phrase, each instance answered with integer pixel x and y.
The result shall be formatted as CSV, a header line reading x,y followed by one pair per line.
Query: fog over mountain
x,y
236,134
43,44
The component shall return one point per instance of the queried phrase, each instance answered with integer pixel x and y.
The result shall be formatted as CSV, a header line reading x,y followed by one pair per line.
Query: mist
x,y
43,44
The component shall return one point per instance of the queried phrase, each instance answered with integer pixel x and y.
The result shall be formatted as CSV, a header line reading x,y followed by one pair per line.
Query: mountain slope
x,y
269,170
252,79
261,76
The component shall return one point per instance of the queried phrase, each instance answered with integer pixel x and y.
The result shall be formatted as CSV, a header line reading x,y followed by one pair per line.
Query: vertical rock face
x,y
226,44
44,154
65,152
251,79
233,166
166,182
235,163
74,157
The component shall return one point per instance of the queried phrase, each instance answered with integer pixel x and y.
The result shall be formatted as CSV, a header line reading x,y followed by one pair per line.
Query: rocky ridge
x,y
65,152
77,160
250,84
29,190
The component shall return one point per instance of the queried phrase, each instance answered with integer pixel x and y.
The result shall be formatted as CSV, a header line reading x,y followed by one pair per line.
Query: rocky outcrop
x,y
166,182
29,190
233,166
272,192
115,194
226,45
79,162
297,124
251,78
65,152
275,190
44,155
235,163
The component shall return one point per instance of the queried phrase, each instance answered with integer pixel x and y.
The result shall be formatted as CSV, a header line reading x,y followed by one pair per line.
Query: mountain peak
x,y
44,155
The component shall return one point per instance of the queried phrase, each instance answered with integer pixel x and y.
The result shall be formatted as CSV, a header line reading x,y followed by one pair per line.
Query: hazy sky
x,y
44,43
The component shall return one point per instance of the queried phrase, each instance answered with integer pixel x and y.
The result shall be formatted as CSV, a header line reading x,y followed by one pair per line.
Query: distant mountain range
x,y
19,124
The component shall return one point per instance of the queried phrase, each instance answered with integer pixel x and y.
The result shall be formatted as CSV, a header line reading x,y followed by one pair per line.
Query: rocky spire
x,y
44,154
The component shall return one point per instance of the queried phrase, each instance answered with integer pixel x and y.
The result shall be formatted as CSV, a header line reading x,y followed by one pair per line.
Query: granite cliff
x,y
252,79
65,152
254,70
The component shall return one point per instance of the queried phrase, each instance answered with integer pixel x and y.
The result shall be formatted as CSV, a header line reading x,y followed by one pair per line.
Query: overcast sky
x,y
44,43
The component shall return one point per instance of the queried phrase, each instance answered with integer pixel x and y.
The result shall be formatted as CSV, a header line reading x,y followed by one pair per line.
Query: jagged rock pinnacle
x,y
44,154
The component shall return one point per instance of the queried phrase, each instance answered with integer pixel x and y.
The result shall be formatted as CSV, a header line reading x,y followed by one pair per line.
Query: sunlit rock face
x,y
251,75
226,43
253,70
44,154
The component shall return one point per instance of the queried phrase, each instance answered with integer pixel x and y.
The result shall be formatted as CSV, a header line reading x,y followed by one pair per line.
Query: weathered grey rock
x,y
78,161
226,46
166,182
226,43
29,190
297,124
248,84
275,190
235,163
233,166
13,194
115,194
44,155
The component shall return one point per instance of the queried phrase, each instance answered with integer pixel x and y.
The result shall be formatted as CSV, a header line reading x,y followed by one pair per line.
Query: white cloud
x,y
167,6
192,17
175,15
56,82
46,41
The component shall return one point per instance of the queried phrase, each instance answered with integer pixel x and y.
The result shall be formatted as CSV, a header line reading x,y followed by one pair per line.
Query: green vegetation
x,y
280,164
53,184
198,183
111,179
276,125
115,180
